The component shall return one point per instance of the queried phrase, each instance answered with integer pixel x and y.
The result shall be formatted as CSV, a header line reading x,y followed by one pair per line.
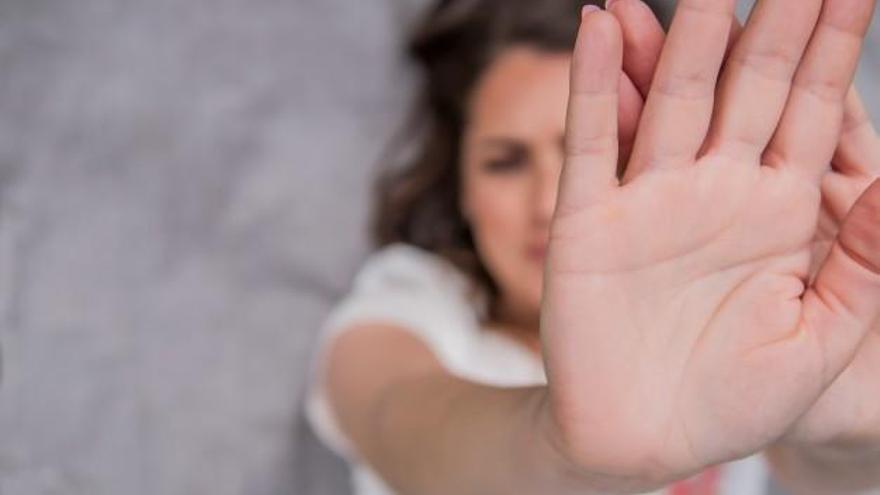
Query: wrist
x,y
567,463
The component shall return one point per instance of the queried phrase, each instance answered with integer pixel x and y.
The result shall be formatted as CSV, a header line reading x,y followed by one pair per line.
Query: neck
x,y
520,323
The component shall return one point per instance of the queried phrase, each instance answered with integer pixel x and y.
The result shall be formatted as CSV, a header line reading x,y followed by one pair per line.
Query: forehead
x,y
523,92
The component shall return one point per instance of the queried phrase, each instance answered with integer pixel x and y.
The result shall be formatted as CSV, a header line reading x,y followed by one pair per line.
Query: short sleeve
x,y
406,287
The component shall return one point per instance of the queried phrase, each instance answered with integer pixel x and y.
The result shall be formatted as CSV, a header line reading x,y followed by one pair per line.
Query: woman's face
x,y
511,161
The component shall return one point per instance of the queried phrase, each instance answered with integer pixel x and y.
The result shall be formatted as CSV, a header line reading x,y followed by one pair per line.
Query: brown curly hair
x,y
417,201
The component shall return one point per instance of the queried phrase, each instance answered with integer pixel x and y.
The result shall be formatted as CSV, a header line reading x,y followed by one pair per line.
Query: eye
x,y
510,161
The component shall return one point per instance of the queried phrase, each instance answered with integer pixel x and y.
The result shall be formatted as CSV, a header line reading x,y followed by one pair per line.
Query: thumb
x,y
843,303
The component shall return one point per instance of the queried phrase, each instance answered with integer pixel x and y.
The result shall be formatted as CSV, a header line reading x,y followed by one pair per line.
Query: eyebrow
x,y
500,142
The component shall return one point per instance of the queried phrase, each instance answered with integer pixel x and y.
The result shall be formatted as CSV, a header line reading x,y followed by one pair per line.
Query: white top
x,y
419,291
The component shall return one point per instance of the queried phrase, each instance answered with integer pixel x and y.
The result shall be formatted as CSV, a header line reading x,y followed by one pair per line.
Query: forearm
x,y
826,472
440,435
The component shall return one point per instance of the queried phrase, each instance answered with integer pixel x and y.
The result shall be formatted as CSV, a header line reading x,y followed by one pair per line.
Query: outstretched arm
x,y
428,432
674,300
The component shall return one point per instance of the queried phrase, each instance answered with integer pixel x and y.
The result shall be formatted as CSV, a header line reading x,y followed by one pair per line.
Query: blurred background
x,y
184,189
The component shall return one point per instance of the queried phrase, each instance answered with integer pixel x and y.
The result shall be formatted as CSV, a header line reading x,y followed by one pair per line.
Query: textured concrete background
x,y
183,190
183,187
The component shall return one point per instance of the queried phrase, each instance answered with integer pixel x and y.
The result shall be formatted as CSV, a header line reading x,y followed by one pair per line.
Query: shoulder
x,y
404,288
408,287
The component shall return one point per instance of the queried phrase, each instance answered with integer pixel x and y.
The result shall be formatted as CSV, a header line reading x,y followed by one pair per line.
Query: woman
x,y
691,320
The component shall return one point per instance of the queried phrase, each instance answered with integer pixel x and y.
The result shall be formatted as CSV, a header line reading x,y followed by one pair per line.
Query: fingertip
x,y
588,9
598,54
643,38
635,14
599,26
624,5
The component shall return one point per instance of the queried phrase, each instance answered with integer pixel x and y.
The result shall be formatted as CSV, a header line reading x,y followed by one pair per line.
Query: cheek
x,y
496,209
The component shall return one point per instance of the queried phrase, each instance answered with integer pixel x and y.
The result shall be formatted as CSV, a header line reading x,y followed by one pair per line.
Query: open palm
x,y
848,413
679,325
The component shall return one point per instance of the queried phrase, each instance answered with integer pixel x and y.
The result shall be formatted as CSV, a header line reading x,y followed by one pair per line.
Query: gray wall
x,y
183,193
183,187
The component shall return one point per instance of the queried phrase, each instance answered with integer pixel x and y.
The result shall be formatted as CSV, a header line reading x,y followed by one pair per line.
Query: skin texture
x,y
838,440
693,271
704,250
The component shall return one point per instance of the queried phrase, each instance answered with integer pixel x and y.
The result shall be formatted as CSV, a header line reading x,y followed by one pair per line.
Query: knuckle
x,y
586,146
686,85
773,63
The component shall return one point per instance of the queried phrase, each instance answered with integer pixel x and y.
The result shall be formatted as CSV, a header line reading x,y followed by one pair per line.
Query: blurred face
x,y
511,161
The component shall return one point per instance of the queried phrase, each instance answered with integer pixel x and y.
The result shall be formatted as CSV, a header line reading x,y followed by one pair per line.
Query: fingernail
x,y
609,3
588,9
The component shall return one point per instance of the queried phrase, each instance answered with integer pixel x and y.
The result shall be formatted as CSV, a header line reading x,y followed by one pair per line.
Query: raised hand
x,y
680,325
848,413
